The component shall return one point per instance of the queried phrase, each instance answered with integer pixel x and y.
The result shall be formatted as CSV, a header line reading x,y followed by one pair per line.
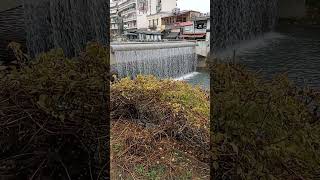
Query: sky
x,y
198,5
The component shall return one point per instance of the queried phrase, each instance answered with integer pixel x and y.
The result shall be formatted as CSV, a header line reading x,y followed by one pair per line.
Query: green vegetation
x,y
263,129
162,127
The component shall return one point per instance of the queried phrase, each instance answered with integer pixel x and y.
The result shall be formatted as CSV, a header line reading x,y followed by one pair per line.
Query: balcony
x,y
132,18
114,27
128,4
132,10
132,27
152,27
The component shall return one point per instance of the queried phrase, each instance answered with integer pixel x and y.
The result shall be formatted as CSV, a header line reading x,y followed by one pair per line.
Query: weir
x,y
163,60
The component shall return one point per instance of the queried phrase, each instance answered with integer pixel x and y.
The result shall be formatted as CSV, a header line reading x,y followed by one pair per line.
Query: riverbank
x,y
262,128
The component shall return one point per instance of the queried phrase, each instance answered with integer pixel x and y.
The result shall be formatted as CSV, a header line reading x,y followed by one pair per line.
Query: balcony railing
x,y
152,27
129,11
126,2
114,27
132,27
132,18
126,5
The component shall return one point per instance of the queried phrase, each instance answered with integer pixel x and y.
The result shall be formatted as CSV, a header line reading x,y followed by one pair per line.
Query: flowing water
x,y
198,78
66,24
237,20
162,63
291,49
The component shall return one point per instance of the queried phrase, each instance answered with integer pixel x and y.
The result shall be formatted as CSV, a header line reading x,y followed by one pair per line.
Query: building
x,y
178,16
138,35
132,14
155,21
199,29
178,22
114,28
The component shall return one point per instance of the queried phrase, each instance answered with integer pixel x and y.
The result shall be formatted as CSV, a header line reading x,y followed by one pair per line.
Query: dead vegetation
x,y
160,130
53,117
263,129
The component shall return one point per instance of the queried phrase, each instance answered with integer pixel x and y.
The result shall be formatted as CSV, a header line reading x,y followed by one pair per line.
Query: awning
x,y
132,34
192,35
173,35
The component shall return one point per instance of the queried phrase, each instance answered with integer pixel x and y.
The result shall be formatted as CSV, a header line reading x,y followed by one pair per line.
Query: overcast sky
x,y
198,5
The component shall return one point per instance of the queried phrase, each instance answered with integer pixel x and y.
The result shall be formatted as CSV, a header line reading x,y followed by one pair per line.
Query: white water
x,y
162,63
187,76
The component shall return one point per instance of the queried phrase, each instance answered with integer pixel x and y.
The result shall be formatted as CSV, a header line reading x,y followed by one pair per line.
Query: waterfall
x,y
235,20
163,62
66,24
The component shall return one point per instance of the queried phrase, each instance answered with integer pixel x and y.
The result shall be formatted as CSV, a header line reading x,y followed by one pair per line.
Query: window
x,y
149,22
157,22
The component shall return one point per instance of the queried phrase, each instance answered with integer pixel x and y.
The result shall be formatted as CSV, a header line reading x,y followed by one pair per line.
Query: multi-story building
x,y
114,28
198,29
177,22
155,22
133,13
179,17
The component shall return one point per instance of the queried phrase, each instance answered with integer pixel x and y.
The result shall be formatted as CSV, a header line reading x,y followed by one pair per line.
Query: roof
x,y
144,32
173,35
160,13
201,18
193,35
180,13
132,34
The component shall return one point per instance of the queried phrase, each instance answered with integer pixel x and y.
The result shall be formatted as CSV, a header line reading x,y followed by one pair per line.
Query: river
x,y
291,49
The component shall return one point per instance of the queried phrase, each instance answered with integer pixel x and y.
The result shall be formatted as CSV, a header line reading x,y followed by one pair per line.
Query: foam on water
x,y
187,76
162,63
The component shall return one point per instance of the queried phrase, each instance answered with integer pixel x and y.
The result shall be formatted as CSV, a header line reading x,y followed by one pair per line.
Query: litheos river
x,y
291,49
199,78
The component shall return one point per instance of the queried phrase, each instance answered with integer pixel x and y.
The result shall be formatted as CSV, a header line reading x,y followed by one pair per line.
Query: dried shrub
x,y
263,129
154,122
53,116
